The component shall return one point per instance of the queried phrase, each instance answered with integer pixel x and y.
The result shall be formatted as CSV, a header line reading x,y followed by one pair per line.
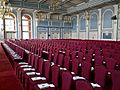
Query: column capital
x,y
115,29
99,24
19,23
19,9
99,9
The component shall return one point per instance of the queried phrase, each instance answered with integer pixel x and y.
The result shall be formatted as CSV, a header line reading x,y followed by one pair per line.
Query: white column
x,y
49,29
115,24
99,24
78,26
34,31
19,24
87,28
61,29
118,17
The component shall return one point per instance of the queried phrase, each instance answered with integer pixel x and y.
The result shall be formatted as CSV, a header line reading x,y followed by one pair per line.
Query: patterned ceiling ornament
x,y
5,8
54,4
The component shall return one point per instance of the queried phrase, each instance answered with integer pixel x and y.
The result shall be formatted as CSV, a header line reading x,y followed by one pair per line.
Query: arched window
x,y
1,29
82,23
93,21
74,22
10,26
107,22
26,27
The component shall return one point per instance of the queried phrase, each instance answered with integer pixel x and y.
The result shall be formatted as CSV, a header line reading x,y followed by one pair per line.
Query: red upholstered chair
x,y
67,52
88,58
50,56
110,63
98,60
90,52
40,66
54,80
29,65
116,56
75,65
55,58
40,51
46,76
38,72
60,59
34,67
73,54
83,51
66,62
86,69
83,85
100,77
97,52
44,86
55,70
66,80
106,53
23,63
80,57
116,80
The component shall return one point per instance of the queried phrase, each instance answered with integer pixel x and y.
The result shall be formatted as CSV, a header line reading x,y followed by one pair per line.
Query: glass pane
x,y
1,23
13,35
93,22
25,28
25,23
25,35
107,35
9,17
74,22
107,19
82,23
23,17
9,23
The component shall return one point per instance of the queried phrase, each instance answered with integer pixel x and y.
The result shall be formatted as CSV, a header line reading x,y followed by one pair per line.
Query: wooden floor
x,y
8,79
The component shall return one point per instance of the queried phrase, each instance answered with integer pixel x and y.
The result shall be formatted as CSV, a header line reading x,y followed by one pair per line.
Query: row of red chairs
x,y
53,45
59,61
31,76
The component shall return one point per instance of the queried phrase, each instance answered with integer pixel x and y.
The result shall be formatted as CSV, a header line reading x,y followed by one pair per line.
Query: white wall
x,y
82,35
55,35
42,35
98,34
92,35
66,35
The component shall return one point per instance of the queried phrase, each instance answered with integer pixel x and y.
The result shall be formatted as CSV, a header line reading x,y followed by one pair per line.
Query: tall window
x,y
10,26
74,23
82,23
26,27
107,22
1,28
93,22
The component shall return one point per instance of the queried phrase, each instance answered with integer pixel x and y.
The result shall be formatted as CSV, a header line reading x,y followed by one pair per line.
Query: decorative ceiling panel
x,y
62,6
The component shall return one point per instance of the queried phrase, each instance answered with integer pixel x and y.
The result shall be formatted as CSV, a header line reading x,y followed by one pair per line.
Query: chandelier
x,y
4,8
41,16
67,19
87,15
54,4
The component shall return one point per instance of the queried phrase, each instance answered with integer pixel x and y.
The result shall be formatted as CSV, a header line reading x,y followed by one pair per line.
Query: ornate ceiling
x,y
59,6
53,5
